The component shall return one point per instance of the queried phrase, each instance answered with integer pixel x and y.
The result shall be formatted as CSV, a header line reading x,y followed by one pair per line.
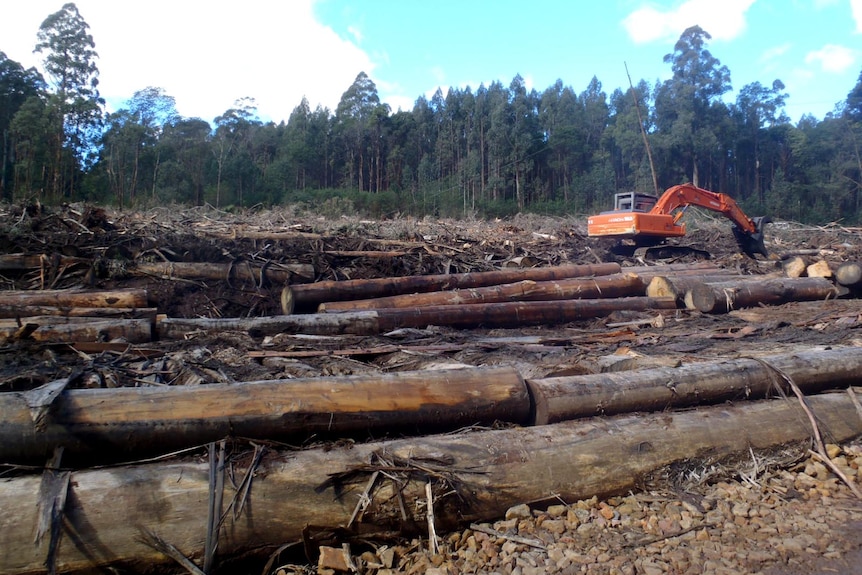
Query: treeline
x,y
489,152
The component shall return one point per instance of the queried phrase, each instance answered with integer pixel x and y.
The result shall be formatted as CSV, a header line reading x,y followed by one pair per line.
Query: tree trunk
x,y
108,511
617,285
103,425
677,286
27,311
274,273
369,322
78,329
725,296
74,298
310,295
563,398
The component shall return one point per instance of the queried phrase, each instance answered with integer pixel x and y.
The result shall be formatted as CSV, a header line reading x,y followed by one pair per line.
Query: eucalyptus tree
x,y
357,119
186,152
231,147
761,110
130,150
558,116
75,106
17,85
688,106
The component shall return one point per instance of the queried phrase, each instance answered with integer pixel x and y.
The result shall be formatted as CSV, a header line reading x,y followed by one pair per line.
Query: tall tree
x,y
16,86
687,106
70,63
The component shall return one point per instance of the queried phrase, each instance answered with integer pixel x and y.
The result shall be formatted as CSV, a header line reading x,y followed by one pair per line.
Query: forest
x,y
489,152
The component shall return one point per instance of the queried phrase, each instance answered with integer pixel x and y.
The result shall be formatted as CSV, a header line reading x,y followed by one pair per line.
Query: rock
x,y
521,511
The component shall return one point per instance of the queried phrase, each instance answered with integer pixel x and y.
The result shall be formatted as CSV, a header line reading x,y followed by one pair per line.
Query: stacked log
x,y
113,515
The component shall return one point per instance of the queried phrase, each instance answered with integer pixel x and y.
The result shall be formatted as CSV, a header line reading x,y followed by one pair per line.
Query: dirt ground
x,y
579,536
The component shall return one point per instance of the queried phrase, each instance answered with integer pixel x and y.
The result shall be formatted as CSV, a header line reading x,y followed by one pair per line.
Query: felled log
x,y
21,262
274,273
26,311
794,266
101,425
849,274
723,297
677,286
563,398
616,285
309,296
369,322
76,298
110,513
69,329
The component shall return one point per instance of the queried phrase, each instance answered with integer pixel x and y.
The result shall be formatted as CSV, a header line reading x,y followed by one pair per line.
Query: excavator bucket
x,y
752,243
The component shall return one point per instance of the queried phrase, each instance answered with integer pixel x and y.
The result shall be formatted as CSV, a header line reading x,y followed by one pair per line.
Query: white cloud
x,y
722,20
207,54
832,58
775,52
856,9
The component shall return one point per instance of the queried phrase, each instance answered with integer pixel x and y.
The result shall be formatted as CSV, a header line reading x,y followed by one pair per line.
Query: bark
x,y
309,296
20,262
274,273
849,274
27,311
101,425
563,398
370,322
616,285
109,510
726,296
74,298
64,329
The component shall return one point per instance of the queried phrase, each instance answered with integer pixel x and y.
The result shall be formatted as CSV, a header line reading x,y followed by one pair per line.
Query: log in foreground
x,y
309,296
609,286
108,510
101,425
726,296
564,398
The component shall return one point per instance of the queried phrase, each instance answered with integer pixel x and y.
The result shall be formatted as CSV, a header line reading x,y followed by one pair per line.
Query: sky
x,y
208,54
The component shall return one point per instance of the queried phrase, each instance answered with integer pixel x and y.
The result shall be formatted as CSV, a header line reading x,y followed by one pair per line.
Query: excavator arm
x,y
686,195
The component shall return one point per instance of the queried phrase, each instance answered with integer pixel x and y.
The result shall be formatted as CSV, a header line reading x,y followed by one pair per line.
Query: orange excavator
x,y
648,220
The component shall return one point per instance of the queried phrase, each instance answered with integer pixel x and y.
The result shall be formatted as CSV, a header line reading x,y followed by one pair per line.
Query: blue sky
x,y
207,54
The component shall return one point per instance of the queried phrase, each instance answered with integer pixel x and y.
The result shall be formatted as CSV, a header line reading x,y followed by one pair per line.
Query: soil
x,y
784,515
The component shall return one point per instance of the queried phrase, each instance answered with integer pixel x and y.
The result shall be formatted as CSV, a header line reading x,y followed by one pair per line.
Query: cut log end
x,y
288,302
849,274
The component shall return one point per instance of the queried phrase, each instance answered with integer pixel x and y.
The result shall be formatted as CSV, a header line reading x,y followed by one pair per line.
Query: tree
x,y
688,106
761,108
16,86
358,109
75,105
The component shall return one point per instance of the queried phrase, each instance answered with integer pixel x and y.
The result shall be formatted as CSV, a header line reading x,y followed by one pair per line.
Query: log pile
x,y
155,454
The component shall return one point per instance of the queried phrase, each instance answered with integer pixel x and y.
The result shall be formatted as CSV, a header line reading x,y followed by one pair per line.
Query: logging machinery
x,y
648,220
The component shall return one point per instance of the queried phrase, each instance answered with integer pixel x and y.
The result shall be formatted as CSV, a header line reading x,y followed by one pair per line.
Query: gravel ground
x,y
779,514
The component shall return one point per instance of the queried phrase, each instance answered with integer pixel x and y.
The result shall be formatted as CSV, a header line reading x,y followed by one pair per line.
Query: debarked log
x,y
101,425
76,298
309,296
475,477
677,286
273,273
563,398
609,286
79,329
726,296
